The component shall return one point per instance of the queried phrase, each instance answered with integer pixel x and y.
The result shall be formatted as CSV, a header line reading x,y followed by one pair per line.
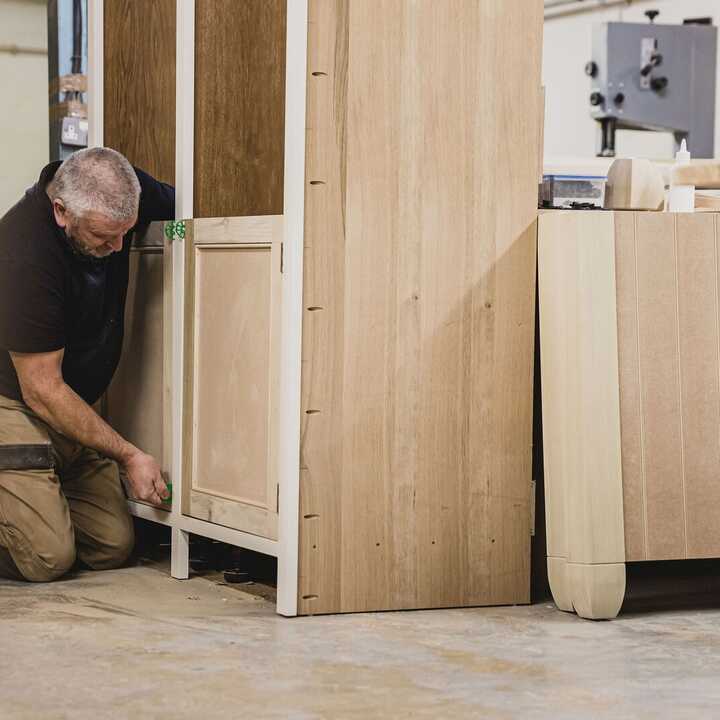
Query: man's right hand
x,y
145,478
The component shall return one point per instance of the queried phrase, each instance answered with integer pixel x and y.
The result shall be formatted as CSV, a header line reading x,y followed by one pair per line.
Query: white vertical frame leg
x,y
292,288
180,554
184,108
184,151
95,73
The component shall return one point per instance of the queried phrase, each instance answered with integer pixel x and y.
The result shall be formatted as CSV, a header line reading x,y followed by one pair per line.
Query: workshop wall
x,y
24,84
569,129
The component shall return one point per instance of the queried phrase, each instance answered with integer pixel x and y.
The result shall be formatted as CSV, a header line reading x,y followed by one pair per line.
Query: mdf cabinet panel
x,y
231,374
139,83
631,396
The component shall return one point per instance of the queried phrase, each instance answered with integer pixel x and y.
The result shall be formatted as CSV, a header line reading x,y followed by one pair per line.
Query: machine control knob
x,y
591,68
619,99
596,98
658,84
651,15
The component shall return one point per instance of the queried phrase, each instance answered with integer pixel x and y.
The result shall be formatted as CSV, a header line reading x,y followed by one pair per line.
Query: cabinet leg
x,y
180,554
597,591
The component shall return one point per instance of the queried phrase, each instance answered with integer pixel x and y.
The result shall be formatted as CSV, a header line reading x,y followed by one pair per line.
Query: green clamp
x,y
175,230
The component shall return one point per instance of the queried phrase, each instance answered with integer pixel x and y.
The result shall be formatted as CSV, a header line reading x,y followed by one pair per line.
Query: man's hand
x,y
45,392
145,478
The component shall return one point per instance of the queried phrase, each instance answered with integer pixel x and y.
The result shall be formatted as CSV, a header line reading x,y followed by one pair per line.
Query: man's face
x,y
93,234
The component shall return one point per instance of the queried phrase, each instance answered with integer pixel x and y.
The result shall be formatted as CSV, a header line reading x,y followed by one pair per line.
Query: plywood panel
x,y
139,83
660,389
233,317
231,374
419,296
239,107
633,470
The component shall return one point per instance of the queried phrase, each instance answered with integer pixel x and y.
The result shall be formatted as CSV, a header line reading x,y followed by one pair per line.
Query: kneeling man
x,y
64,258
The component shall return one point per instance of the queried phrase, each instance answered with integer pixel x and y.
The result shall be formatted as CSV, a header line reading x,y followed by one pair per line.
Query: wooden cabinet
x,y
351,313
631,396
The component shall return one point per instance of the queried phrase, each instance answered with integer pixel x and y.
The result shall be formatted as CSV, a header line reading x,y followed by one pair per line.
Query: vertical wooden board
x,y
557,292
405,230
634,490
581,403
699,380
239,107
134,405
660,385
139,83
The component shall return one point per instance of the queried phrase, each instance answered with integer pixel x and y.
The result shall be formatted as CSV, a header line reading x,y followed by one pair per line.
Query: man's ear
x,y
60,212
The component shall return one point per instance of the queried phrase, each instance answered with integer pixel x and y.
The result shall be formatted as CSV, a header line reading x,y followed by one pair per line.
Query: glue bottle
x,y
682,197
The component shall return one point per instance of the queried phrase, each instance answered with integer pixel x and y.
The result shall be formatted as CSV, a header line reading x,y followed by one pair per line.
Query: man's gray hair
x,y
100,180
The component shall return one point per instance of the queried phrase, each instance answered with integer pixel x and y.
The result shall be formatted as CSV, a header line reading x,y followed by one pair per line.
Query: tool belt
x,y
26,457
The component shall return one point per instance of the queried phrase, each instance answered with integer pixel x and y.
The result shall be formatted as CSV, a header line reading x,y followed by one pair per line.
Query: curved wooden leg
x,y
559,586
597,591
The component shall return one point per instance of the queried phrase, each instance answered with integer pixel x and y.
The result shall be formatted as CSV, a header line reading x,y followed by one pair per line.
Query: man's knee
x,y
38,563
114,548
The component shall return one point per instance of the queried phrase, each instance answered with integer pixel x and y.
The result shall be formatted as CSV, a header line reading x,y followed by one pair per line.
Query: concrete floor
x,y
134,643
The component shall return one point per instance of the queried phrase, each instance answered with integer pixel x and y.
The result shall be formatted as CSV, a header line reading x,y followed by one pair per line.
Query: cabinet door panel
x,y
232,284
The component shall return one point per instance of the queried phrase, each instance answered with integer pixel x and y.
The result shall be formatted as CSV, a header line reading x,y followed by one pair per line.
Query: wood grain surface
x,y
419,293
239,107
139,83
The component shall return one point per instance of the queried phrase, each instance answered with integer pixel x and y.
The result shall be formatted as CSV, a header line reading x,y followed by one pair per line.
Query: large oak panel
x,y
419,304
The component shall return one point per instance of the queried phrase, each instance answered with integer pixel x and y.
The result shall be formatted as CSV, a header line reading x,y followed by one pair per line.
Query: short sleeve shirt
x,y
51,297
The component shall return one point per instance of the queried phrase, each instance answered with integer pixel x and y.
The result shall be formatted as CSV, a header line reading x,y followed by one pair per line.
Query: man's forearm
x,y
69,414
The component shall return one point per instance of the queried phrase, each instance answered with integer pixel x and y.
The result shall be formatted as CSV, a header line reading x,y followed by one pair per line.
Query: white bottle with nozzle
x,y
682,197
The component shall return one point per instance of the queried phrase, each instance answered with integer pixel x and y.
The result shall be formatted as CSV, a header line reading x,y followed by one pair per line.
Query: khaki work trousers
x,y
75,507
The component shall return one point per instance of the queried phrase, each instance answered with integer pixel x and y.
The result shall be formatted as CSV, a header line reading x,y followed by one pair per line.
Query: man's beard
x,y
80,249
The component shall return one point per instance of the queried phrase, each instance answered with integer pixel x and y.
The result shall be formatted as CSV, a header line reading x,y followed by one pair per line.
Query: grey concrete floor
x,y
134,643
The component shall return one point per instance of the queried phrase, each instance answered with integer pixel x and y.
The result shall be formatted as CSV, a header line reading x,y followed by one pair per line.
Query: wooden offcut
x,y
139,83
239,107
419,304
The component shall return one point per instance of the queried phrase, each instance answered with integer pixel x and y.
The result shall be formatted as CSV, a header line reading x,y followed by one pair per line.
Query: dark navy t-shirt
x,y
51,297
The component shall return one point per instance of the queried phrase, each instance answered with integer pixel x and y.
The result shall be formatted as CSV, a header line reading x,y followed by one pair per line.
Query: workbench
x,y
630,358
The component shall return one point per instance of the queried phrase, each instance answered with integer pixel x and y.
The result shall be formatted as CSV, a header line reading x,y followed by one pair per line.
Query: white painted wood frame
x,y
286,547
